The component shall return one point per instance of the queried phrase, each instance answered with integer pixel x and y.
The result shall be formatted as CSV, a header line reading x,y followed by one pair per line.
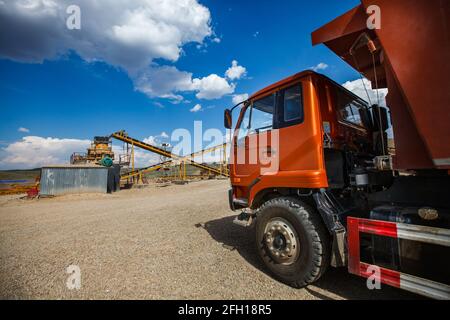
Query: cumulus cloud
x,y
130,35
238,98
319,66
22,129
169,82
212,87
164,135
142,158
150,140
196,108
156,140
357,87
34,151
236,71
163,82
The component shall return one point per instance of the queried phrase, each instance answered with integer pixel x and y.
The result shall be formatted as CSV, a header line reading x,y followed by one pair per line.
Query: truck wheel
x,y
292,241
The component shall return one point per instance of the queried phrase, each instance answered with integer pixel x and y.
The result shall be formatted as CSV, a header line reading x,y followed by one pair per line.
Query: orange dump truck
x,y
310,164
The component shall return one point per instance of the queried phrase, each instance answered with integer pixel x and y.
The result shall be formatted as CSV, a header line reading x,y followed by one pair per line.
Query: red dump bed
x,y
413,62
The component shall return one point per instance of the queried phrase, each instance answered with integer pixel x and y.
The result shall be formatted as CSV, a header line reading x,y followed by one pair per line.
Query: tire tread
x,y
315,229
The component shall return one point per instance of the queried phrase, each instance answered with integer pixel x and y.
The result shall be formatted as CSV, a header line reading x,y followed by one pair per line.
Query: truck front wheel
x,y
292,241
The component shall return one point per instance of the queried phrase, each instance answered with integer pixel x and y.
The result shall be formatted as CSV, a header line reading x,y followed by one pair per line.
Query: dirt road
x,y
176,242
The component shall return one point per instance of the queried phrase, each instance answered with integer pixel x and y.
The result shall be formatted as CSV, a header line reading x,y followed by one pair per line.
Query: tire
x,y
306,252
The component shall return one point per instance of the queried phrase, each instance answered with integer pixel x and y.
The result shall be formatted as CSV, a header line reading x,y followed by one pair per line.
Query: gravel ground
x,y
174,242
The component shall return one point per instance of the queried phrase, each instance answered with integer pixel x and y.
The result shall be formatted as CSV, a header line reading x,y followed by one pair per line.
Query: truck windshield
x,y
258,117
262,114
244,125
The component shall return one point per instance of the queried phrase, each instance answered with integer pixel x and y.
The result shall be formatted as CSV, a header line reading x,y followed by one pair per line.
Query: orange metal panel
x,y
300,149
346,24
415,36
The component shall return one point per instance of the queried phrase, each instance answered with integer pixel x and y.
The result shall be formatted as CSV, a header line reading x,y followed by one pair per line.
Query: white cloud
x,y
156,140
238,98
150,140
319,66
169,82
357,87
164,135
236,71
33,152
163,82
196,108
158,104
22,129
130,35
212,87
142,158
126,34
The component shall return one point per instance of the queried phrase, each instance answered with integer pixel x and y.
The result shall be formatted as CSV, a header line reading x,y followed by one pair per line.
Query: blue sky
x,y
65,96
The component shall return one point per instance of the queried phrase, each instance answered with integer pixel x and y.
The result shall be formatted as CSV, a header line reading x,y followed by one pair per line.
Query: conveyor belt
x,y
137,172
123,136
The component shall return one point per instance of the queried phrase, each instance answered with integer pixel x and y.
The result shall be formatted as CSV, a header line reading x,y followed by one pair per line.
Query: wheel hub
x,y
281,242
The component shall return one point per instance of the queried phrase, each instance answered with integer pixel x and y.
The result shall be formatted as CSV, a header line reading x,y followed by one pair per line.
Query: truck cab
x,y
297,134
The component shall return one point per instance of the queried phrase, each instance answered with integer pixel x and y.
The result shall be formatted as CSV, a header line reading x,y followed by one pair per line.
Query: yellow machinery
x,y
138,173
183,160
100,148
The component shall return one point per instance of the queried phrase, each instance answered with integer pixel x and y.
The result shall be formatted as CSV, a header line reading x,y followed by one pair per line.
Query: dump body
x,y
413,50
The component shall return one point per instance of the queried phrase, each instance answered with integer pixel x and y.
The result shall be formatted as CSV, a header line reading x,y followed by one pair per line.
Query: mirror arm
x,y
231,110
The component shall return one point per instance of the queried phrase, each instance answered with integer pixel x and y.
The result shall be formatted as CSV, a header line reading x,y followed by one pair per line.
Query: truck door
x,y
296,123
253,136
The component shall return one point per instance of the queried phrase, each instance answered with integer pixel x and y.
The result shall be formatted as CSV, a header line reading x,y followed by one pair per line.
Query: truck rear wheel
x,y
292,241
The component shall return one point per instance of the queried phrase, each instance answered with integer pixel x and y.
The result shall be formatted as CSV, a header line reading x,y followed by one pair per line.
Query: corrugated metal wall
x,y
62,180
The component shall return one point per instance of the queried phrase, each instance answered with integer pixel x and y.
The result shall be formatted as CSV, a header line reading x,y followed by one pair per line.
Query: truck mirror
x,y
227,119
380,118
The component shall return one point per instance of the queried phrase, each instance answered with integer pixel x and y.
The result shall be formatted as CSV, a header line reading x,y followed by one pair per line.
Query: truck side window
x,y
351,114
262,114
349,109
290,106
293,103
